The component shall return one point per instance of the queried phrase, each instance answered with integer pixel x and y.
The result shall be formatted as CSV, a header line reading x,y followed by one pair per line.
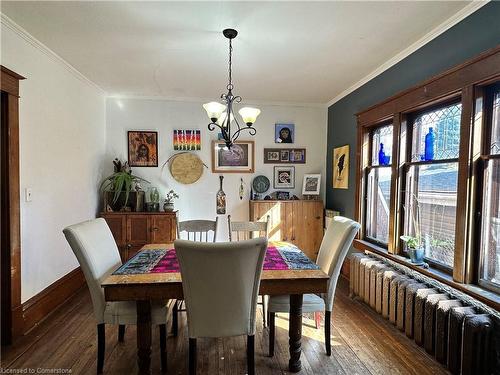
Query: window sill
x,y
487,297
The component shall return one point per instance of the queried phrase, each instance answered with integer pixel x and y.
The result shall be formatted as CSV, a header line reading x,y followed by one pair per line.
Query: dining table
x,y
153,274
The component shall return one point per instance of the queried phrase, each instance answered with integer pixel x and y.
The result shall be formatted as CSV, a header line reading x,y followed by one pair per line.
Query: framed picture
x,y
311,184
284,155
341,167
142,148
284,133
238,159
284,177
187,140
271,155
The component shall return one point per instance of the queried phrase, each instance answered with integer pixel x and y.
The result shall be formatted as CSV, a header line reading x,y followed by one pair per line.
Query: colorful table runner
x,y
279,256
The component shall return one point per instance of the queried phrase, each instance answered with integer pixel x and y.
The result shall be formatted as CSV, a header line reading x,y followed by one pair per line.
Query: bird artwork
x,y
341,167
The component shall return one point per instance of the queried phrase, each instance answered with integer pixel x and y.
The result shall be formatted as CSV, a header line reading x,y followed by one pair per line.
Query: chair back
x,y
221,284
96,251
244,230
333,250
198,230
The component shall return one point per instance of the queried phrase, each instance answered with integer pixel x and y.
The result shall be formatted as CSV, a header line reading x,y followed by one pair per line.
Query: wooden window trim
x,y
463,81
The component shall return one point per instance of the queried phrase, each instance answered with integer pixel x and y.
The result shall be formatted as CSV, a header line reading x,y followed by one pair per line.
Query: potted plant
x,y
119,185
415,244
168,206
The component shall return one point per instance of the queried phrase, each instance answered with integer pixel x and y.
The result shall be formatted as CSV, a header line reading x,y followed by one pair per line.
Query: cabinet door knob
x,y
155,229
129,246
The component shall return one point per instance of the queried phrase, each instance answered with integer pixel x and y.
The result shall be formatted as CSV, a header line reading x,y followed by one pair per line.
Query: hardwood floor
x,y
362,343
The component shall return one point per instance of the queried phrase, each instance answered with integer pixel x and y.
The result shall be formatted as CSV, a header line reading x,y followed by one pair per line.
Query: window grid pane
x,y
490,228
495,125
378,203
445,123
382,135
430,209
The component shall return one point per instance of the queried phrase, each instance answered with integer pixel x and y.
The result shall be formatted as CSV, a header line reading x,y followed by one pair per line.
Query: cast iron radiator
x,y
459,331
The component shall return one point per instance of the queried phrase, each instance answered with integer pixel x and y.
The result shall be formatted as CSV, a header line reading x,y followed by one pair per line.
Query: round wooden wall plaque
x,y
186,168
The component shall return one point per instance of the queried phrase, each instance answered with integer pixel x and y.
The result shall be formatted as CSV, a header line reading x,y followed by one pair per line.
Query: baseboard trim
x,y
38,307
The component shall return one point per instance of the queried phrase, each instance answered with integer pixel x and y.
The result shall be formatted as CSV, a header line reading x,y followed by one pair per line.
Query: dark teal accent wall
x,y
473,35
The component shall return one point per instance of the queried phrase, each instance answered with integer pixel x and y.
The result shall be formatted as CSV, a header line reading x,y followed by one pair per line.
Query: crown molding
x,y
204,100
24,34
449,23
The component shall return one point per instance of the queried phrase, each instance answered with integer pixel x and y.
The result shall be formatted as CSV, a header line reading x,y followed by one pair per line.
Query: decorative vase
x,y
430,137
381,155
221,199
417,255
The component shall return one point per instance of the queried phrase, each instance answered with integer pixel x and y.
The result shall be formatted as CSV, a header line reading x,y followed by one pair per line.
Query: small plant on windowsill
x,y
414,244
168,206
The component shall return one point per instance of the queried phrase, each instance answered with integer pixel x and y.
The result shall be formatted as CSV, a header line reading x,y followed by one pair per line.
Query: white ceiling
x,y
293,52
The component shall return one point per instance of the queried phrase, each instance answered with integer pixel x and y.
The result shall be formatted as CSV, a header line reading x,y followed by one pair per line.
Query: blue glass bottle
x,y
430,138
381,155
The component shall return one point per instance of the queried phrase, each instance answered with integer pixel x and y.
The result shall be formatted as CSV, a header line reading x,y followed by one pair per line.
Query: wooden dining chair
x,y
220,293
243,230
196,230
333,250
97,253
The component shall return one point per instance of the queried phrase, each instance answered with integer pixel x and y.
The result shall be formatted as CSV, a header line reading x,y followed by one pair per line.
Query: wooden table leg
x,y
295,332
144,336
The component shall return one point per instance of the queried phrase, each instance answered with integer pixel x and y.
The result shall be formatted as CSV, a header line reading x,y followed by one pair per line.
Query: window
x,y
378,187
431,182
441,182
489,274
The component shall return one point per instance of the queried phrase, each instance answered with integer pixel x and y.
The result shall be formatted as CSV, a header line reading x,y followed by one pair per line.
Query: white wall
x,y
198,200
62,145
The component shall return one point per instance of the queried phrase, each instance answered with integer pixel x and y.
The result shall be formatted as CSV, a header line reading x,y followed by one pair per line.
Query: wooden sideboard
x,y
299,222
133,230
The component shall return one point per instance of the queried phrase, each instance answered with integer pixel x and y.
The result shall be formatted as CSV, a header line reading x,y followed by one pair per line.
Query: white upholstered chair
x,y
195,230
97,253
244,230
221,283
334,247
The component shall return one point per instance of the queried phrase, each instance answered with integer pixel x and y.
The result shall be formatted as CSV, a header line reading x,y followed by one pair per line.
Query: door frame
x,y
12,317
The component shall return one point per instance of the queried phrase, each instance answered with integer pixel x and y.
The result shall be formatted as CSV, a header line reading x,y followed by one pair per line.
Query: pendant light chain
x,y
230,85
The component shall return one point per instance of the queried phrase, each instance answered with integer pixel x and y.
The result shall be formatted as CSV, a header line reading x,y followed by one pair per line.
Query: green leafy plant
x,y
120,181
414,242
411,242
171,195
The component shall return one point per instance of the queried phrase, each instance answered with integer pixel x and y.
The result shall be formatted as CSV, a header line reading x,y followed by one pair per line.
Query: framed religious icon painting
x,y
341,167
142,148
238,159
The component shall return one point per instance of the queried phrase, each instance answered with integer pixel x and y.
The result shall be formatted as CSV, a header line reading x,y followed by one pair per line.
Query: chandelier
x,y
221,114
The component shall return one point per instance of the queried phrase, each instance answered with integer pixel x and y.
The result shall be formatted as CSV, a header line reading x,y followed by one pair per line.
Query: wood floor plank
x,y
362,343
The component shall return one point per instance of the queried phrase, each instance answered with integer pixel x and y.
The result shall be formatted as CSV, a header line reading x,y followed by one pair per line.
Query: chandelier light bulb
x,y
249,115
